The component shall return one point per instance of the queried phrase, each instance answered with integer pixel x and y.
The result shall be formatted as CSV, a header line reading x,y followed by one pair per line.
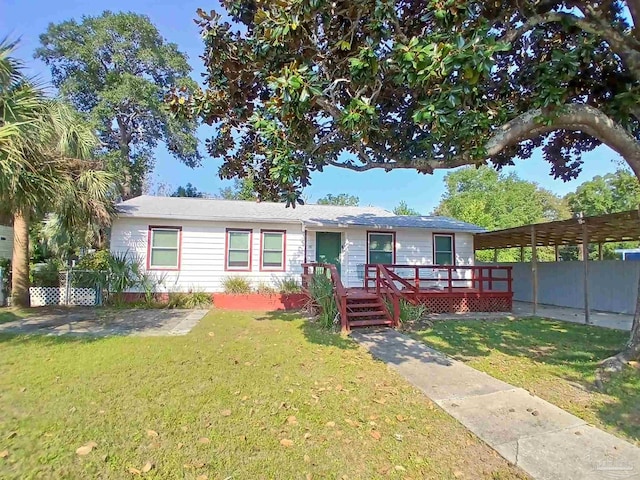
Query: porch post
x,y
600,251
555,249
534,268
521,253
585,261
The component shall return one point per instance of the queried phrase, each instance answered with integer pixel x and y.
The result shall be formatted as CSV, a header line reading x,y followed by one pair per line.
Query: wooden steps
x,y
366,309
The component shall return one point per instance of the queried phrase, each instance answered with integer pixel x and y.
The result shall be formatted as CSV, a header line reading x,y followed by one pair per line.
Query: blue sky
x,y
29,18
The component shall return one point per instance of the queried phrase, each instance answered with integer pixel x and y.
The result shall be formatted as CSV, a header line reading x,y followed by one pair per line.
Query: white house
x,y
195,243
6,242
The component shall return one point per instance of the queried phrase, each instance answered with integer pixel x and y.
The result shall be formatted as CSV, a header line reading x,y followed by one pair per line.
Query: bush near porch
x,y
553,360
243,396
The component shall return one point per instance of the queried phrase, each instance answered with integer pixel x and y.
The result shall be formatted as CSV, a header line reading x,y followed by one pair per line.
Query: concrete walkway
x,y
100,322
540,438
619,321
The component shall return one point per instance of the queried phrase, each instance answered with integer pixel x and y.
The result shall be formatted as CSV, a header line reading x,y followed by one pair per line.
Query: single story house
x,y
195,243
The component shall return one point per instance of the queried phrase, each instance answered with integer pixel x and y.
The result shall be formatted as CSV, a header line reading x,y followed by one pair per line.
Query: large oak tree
x,y
294,86
117,68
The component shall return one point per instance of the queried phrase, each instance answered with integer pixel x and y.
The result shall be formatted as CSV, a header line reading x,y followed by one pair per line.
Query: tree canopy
x,y
496,200
293,87
404,209
339,199
117,68
614,192
187,191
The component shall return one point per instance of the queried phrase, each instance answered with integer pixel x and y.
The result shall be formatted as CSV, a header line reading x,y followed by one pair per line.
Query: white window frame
x,y
152,230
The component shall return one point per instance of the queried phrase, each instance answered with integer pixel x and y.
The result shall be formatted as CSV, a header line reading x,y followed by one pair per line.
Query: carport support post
x,y
585,260
534,268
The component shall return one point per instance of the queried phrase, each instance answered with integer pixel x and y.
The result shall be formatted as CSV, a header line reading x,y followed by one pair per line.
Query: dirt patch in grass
x,y
242,396
552,359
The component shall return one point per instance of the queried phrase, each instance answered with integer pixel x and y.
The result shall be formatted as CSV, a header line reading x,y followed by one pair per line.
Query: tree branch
x,y
625,46
575,117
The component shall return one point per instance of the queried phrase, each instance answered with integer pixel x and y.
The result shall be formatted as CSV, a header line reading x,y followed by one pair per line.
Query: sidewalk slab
x,y
446,378
542,439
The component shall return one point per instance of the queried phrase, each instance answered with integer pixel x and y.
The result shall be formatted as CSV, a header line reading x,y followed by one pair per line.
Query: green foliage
x,y
340,199
294,87
611,193
117,68
289,285
193,299
242,190
188,191
495,201
614,192
321,294
236,285
47,274
409,312
97,261
403,209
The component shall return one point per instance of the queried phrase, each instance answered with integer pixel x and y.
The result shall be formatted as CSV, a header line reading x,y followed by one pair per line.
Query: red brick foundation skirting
x,y
249,301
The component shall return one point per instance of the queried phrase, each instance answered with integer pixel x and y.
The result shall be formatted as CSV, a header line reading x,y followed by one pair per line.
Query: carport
x,y
578,231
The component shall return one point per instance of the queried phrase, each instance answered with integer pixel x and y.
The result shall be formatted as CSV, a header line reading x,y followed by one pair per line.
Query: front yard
x,y
242,396
554,360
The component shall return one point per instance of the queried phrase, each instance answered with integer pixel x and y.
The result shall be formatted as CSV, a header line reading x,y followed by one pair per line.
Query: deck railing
x,y
387,290
309,270
449,278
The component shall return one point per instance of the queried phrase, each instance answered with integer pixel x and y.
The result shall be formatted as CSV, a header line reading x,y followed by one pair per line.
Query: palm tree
x,y
45,147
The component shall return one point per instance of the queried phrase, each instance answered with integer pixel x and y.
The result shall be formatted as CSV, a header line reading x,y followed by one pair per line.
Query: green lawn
x,y
554,360
242,396
11,314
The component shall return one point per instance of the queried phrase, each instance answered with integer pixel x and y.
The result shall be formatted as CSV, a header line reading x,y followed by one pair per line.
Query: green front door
x,y
328,247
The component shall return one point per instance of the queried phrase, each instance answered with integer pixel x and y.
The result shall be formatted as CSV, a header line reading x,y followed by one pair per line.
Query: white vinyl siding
x,y
202,257
6,241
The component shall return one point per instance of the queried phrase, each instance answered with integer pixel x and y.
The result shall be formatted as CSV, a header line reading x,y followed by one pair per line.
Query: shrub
x,y
266,289
289,285
408,311
47,274
321,293
236,285
195,299
97,261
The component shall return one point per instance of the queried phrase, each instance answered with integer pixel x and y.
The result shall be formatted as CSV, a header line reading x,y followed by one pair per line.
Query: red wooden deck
x,y
441,288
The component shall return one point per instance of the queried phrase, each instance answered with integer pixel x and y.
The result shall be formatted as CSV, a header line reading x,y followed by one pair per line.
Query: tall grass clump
x,y
321,293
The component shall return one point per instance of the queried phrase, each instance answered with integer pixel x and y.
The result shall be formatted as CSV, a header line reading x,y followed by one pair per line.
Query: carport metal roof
x,y
612,227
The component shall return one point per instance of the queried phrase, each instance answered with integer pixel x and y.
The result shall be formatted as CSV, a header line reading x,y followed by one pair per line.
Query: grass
x,y
8,314
242,396
554,360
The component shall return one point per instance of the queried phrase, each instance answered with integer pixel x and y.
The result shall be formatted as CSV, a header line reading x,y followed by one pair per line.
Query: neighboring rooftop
x,y
183,208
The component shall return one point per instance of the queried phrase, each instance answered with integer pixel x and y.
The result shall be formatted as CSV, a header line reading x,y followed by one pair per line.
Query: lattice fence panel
x,y
41,296
444,304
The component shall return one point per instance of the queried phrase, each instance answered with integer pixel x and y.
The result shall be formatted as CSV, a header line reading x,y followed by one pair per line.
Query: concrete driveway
x,y
105,321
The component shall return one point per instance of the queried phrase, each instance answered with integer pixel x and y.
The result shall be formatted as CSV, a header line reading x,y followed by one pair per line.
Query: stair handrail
x,y
339,292
384,284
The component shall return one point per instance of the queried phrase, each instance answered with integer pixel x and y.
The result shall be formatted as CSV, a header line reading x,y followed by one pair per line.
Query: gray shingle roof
x,y
180,208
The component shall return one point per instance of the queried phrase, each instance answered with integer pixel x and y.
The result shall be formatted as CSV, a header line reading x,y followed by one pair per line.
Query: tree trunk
x,y
20,261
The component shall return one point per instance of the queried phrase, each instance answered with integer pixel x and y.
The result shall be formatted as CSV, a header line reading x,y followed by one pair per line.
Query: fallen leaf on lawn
x,y
12,434
292,420
400,468
4,454
307,458
307,435
381,401
147,467
352,423
86,449
245,398
180,445
134,471
375,434
398,437
211,334
152,433
458,474
331,424
23,389
225,413
400,418
308,476
338,387
285,442
191,466
202,477
204,440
